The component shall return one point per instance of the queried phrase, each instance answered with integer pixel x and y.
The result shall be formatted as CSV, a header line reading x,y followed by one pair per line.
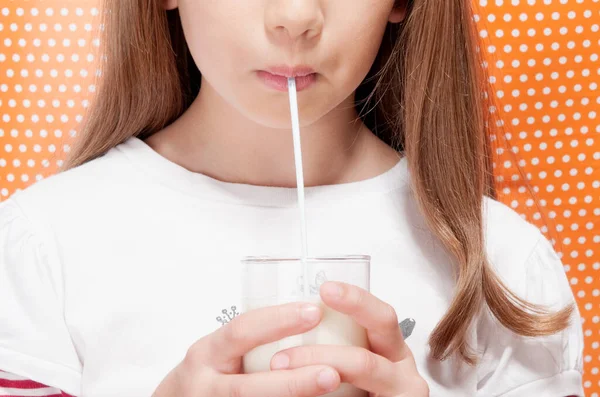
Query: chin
x,y
278,116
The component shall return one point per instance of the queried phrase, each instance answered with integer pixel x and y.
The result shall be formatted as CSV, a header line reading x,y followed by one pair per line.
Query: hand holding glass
x,y
271,282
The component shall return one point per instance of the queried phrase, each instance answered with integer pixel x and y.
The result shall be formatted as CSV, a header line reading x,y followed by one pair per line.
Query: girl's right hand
x,y
212,366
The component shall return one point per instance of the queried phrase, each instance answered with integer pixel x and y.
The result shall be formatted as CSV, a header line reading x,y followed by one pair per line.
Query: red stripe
x,y
26,384
62,394
21,384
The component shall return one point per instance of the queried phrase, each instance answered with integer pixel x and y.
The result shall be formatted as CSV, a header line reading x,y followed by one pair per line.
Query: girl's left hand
x,y
387,370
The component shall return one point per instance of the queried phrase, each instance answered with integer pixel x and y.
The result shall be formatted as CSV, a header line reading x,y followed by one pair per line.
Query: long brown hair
x,y
431,102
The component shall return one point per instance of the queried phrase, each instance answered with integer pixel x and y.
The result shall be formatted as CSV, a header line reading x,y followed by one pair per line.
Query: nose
x,y
289,21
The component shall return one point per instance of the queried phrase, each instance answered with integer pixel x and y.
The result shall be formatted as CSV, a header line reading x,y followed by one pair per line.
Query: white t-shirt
x,y
111,271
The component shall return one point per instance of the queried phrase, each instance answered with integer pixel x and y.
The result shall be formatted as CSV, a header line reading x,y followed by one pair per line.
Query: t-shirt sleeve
x,y
550,366
34,339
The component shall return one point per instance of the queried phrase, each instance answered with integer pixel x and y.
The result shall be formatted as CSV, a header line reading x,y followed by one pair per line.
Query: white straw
x,y
299,178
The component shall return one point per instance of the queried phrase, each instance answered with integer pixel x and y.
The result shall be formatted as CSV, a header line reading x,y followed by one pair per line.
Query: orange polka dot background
x,y
543,57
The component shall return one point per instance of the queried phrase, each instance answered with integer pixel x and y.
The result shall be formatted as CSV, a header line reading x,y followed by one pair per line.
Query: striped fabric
x,y
16,386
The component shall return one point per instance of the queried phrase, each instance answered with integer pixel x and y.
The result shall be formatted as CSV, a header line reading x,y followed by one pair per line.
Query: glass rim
x,y
337,258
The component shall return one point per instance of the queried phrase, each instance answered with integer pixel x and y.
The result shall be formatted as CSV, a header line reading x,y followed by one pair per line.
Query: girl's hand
x,y
212,365
388,369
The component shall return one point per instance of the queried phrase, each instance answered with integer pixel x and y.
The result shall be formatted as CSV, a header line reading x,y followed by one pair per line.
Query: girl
x,y
120,276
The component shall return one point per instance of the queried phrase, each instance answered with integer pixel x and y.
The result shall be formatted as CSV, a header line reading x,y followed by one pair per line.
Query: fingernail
x,y
280,361
310,313
326,379
332,289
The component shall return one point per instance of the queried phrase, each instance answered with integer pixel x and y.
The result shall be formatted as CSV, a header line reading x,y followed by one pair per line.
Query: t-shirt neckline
x,y
168,173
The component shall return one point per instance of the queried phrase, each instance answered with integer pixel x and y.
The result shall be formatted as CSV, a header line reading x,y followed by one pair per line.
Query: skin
x,y
212,365
239,130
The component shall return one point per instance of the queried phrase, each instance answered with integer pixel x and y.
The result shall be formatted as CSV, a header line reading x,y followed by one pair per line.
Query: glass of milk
x,y
274,281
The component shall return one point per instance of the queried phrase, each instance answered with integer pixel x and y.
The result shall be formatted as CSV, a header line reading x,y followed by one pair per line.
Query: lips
x,y
290,71
279,82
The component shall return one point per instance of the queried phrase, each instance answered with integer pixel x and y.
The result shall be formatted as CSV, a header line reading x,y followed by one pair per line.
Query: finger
x,y
261,326
376,316
308,381
360,367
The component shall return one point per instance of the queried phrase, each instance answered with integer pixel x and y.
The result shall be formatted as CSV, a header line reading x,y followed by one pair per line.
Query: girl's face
x,y
234,42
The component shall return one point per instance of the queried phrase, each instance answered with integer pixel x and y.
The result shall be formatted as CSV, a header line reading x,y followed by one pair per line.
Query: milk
x,y
335,329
